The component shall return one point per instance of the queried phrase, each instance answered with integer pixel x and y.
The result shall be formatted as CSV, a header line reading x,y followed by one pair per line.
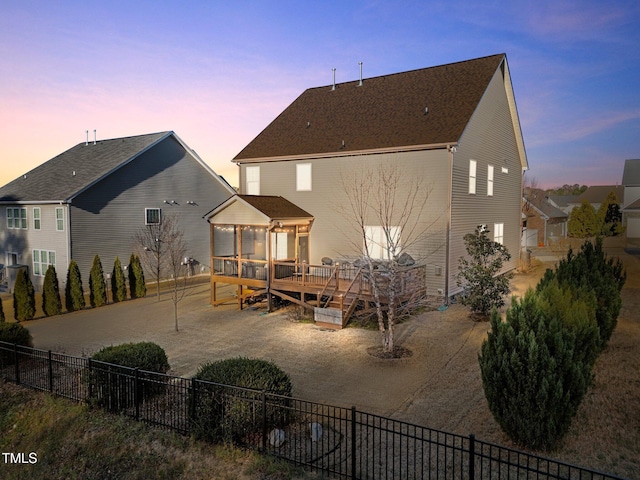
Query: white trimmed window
x,y
41,261
152,216
498,233
378,244
303,177
252,180
59,219
472,177
16,217
490,180
37,222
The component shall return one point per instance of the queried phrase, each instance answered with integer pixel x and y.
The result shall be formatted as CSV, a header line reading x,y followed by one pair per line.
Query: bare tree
x,y
164,256
395,204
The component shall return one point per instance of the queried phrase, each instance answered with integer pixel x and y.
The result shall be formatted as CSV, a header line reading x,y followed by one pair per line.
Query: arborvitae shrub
x,y
137,287
118,284
231,414
590,269
533,378
13,333
74,293
113,387
24,297
51,303
2,319
97,284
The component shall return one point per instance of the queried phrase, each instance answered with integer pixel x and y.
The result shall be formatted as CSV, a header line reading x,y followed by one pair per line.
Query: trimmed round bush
x,y
113,374
12,333
228,399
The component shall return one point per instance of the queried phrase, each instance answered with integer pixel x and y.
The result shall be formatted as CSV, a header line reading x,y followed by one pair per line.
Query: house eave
x,y
349,153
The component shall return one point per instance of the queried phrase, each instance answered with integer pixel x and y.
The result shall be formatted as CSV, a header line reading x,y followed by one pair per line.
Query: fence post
x,y
15,358
264,421
192,404
472,454
90,389
353,443
50,373
136,391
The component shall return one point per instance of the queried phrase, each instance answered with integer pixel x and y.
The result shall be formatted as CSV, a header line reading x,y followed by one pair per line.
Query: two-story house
x,y
94,197
455,127
631,201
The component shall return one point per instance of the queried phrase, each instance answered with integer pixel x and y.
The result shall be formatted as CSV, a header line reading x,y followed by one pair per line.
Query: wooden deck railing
x,y
240,268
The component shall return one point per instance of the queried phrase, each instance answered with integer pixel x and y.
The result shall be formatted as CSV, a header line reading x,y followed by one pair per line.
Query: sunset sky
x,y
217,73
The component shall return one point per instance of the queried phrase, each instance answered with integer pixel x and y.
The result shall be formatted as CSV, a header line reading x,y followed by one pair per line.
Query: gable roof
x,y
272,207
631,173
384,113
73,171
598,194
539,200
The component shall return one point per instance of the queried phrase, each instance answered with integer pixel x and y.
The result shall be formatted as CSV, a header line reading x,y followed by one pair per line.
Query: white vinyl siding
x,y
498,233
376,241
59,219
37,219
252,180
41,261
17,218
303,177
489,180
472,177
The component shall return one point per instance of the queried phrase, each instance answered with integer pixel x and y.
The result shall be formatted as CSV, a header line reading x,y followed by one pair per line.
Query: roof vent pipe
x,y
334,79
86,142
360,84
94,136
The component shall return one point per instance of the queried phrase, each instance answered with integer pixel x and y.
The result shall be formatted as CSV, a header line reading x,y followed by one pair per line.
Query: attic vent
x,y
73,173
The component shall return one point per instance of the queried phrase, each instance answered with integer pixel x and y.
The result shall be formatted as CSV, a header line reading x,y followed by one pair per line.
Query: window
x,y
252,180
41,261
498,233
490,180
152,216
472,177
303,177
16,218
36,218
378,243
59,219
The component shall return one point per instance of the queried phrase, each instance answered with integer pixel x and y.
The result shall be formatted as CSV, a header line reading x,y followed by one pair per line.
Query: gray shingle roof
x,y
598,194
69,173
631,173
275,207
386,112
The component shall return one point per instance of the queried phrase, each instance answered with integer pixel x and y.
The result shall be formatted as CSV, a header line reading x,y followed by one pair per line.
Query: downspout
x,y
447,270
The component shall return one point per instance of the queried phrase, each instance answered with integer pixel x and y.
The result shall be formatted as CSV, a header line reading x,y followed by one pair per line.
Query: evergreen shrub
x,y
228,414
12,333
533,375
24,297
118,283
2,317
97,284
137,286
51,303
113,374
73,292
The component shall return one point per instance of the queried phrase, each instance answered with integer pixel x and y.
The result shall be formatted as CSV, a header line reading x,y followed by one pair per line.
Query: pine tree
x,y
74,293
24,297
97,284
51,303
118,284
137,286
583,221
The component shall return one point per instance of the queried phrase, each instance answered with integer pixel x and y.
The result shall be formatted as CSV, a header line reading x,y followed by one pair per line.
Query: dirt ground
x,y
439,386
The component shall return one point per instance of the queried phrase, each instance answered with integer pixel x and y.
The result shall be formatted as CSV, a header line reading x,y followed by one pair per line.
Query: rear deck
x,y
334,292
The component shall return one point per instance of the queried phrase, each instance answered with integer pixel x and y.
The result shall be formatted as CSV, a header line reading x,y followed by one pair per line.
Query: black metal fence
x,y
340,442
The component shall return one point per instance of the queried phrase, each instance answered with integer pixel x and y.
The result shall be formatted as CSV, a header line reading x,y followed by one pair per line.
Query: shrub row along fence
x,y
340,442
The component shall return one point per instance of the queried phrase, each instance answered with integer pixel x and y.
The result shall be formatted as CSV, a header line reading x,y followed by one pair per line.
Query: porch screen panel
x,y
254,244
224,240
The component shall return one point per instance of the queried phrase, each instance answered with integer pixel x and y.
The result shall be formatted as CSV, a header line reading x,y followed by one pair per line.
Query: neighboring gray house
x,y
543,221
94,197
597,194
454,126
631,204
